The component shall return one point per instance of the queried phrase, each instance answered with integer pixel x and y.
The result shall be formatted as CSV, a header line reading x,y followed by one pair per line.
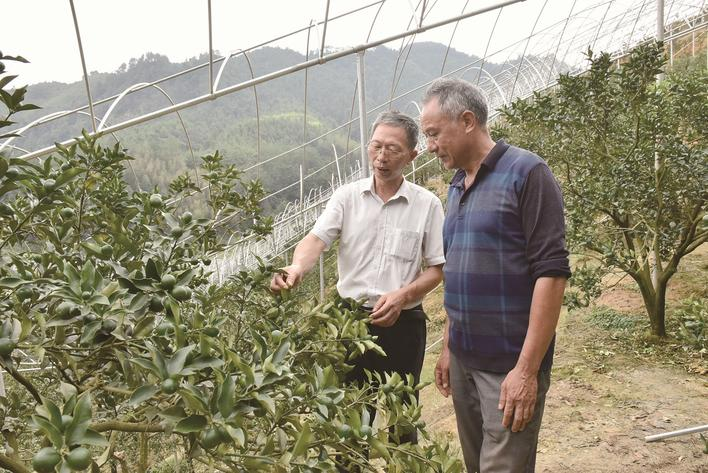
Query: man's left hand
x,y
518,398
388,309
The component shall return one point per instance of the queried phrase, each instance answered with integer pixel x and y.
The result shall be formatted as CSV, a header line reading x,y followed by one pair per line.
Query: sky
x,y
113,31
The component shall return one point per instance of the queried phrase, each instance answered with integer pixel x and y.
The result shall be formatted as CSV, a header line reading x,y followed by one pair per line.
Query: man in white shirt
x,y
390,251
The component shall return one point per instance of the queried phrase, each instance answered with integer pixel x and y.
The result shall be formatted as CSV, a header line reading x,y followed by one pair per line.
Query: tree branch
x,y
126,426
698,241
23,381
12,465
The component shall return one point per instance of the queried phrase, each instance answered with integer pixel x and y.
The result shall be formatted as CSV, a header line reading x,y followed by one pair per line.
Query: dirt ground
x,y
607,396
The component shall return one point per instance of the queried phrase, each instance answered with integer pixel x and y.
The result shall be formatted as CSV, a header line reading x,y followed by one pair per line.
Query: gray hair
x,y
399,120
457,95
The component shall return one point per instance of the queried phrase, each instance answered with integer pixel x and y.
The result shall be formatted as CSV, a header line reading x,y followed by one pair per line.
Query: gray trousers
x,y
489,447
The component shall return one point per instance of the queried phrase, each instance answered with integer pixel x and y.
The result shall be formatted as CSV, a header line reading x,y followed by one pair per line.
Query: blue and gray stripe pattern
x,y
489,277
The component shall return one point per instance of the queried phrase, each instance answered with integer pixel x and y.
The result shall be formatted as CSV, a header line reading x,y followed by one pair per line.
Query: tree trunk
x,y
654,302
658,318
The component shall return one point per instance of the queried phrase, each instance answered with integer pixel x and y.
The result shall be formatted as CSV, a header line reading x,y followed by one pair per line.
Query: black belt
x,y
413,314
418,307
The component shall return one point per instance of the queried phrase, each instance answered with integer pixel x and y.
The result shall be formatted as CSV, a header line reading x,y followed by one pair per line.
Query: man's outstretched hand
x,y
286,278
388,308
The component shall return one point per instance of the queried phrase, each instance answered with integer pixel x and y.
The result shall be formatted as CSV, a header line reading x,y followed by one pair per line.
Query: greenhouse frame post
x,y
363,134
83,65
322,281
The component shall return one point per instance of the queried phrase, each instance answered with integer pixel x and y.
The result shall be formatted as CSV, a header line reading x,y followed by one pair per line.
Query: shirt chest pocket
x,y
403,244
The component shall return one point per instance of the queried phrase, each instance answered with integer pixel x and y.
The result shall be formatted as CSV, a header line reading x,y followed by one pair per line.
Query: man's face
x,y
389,153
445,136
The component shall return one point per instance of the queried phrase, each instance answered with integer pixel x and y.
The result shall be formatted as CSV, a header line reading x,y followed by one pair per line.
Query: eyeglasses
x,y
374,148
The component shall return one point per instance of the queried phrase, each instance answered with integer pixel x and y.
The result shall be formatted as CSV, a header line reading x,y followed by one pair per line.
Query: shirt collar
x,y
489,162
404,191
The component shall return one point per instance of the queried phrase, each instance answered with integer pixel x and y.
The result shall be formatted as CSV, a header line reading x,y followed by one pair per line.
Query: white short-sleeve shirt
x,y
382,246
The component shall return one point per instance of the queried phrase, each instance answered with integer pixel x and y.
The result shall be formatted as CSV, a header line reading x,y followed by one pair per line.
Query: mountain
x,y
229,123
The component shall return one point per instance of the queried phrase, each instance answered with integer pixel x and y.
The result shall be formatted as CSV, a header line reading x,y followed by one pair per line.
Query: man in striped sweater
x,y
505,274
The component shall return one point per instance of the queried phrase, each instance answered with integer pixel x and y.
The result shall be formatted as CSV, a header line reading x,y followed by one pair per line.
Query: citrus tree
x,y
631,155
118,351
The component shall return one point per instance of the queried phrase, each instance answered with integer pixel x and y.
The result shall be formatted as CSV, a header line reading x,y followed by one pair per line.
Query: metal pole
x,y
660,20
83,66
302,204
660,29
269,76
324,30
322,282
657,159
671,52
676,433
363,134
211,53
413,164
336,162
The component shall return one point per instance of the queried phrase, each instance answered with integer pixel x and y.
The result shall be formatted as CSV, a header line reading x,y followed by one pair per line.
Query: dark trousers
x,y
404,344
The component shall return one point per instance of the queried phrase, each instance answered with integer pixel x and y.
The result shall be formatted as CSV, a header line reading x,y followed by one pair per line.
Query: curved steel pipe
x,y
179,117
255,95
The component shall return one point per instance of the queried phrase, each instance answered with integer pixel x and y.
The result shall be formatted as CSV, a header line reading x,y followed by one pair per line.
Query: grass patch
x,y
613,320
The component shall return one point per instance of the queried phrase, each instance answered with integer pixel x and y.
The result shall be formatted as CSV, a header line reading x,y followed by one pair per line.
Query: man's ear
x,y
414,153
470,120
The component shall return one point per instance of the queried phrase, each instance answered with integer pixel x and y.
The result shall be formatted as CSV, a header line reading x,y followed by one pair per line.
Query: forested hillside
x,y
229,124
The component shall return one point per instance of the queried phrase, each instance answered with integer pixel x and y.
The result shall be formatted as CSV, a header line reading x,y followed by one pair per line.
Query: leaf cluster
x,y
110,293
631,157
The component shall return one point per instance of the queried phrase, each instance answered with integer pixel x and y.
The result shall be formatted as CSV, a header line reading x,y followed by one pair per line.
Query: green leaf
x,y
82,411
6,80
8,187
11,283
89,332
173,414
159,363
142,394
144,326
194,399
15,58
68,175
98,299
138,302
237,434
151,270
302,441
88,272
266,401
92,248
91,437
27,106
176,363
226,399
67,390
75,432
53,411
193,423
380,447
50,431
200,363
148,365
280,353
185,278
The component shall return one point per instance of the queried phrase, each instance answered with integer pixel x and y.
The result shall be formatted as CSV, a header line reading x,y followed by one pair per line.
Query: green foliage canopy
x,y
108,291
631,156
